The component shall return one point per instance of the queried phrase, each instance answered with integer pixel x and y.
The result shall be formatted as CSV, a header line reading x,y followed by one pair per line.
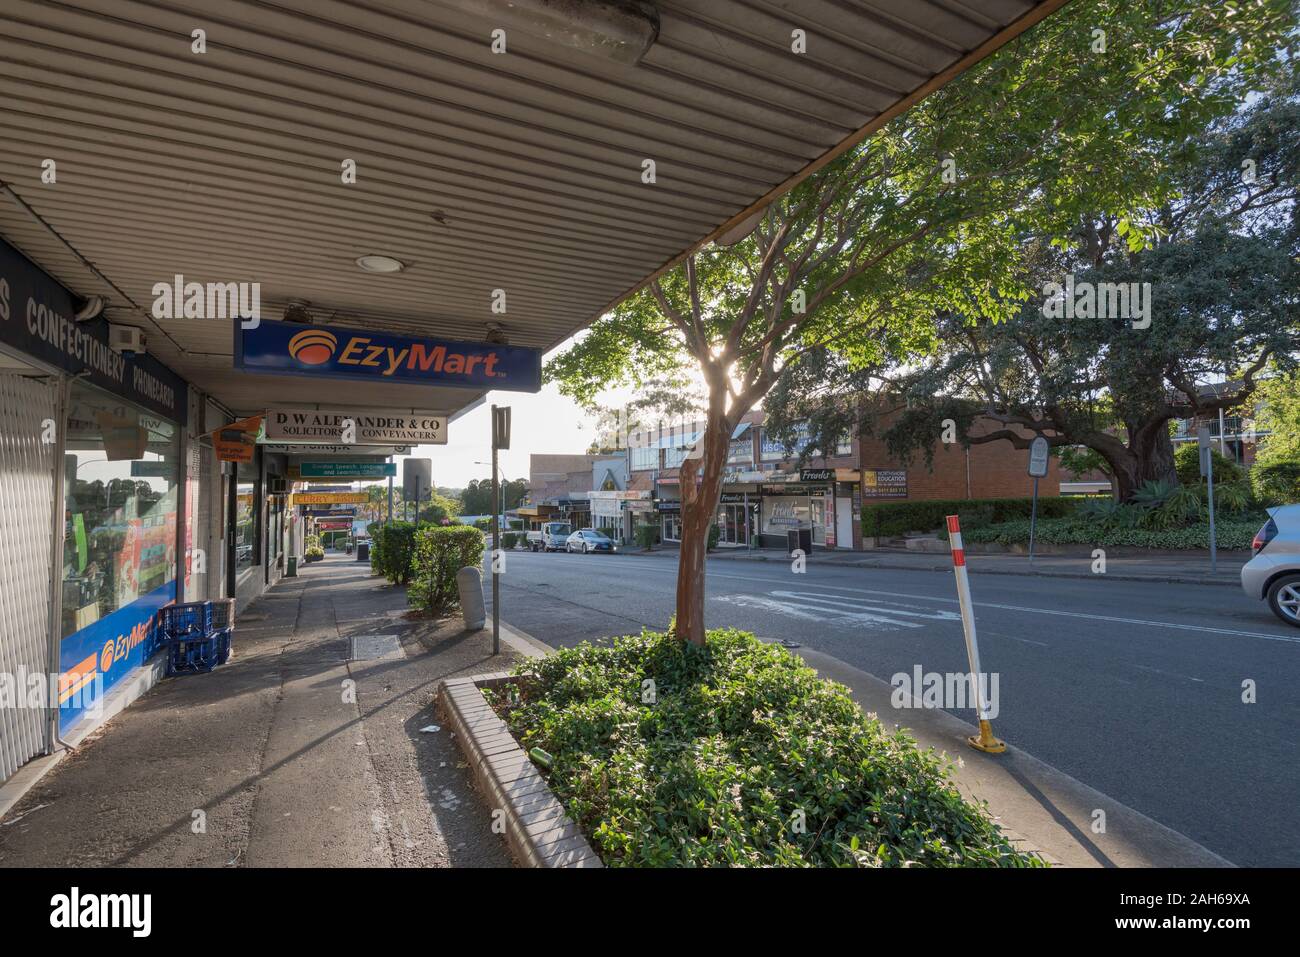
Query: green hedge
x,y
742,756
440,552
898,518
392,551
1229,533
1276,484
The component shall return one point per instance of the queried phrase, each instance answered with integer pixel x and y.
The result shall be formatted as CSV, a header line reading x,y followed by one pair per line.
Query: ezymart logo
x,y
316,347
313,346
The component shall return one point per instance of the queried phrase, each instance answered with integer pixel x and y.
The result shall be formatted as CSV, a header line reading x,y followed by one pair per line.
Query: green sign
x,y
358,470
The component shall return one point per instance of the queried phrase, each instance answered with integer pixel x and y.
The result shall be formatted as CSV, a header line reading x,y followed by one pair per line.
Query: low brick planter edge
x,y
536,828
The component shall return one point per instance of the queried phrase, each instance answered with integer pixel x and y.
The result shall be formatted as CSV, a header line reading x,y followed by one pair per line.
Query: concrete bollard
x,y
470,585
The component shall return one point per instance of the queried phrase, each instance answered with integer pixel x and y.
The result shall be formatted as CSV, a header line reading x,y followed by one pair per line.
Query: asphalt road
x,y
1133,688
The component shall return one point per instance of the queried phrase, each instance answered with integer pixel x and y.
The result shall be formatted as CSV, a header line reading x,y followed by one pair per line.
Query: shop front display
x,y
120,533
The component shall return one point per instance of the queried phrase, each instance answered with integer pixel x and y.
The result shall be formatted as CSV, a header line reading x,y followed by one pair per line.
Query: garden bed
x,y
736,754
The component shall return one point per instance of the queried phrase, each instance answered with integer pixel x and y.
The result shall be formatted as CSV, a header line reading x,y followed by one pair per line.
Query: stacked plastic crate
x,y
223,626
185,631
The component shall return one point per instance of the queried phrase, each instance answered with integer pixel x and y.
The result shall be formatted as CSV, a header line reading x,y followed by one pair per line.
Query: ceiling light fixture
x,y
621,30
375,263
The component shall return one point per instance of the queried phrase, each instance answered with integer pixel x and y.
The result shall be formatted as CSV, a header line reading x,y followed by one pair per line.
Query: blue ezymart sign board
x,y
290,348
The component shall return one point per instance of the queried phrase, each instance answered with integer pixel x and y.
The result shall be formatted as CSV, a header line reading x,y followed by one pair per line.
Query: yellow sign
x,y
330,498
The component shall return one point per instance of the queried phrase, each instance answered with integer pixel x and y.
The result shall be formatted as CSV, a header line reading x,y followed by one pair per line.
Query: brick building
x,y
766,495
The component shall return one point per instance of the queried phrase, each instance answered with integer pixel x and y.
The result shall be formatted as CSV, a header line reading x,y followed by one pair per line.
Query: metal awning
x,y
519,171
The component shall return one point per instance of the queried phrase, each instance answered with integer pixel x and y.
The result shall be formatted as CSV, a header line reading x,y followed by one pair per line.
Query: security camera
x,y
91,308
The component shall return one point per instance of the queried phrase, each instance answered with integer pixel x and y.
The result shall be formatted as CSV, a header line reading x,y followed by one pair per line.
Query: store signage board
x,y
357,470
816,475
328,452
329,498
368,428
337,352
36,318
235,442
884,483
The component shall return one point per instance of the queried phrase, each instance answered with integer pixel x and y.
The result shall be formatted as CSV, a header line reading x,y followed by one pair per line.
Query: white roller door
x,y
28,444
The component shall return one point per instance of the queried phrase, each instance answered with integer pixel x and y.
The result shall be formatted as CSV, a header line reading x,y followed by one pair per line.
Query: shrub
x,y
714,535
898,518
1236,532
510,539
1187,462
392,552
440,552
647,536
742,739
1276,484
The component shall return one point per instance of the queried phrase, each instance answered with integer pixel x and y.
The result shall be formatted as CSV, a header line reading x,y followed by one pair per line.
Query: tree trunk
x,y
699,508
1148,456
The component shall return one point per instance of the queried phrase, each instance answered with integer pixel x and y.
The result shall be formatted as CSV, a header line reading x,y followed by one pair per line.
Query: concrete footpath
x,y
306,749
1126,565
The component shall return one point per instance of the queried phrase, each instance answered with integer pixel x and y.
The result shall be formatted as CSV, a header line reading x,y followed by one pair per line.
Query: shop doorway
x,y
844,522
734,529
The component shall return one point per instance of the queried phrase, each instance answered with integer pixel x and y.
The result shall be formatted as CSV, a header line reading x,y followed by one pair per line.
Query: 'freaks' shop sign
x,y
290,348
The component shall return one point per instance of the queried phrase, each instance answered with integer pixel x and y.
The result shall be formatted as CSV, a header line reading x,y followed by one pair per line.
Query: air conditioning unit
x,y
126,339
276,486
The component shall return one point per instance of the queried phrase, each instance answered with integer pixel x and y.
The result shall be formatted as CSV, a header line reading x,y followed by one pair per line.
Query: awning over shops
x,y
508,180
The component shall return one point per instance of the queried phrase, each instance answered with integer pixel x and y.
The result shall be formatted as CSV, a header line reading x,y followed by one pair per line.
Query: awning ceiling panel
x,y
518,171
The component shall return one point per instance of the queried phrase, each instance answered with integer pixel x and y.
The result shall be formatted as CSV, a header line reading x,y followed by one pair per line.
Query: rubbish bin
x,y
363,551
291,567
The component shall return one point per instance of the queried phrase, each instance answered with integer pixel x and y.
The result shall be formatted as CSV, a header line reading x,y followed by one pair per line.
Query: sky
x,y
539,422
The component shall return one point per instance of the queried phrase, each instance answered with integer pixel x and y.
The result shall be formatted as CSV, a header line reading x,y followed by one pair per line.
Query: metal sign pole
x,y
1207,470
496,539
1033,519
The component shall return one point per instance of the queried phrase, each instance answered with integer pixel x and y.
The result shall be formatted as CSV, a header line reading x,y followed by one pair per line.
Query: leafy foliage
x,y
741,740
392,551
897,518
440,552
1187,461
1277,483
1229,533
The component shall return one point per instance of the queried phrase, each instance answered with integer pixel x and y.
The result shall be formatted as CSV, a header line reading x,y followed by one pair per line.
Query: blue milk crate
x,y
192,656
223,644
184,622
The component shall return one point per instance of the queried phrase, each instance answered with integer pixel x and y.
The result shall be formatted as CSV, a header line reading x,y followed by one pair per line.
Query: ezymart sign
x,y
359,428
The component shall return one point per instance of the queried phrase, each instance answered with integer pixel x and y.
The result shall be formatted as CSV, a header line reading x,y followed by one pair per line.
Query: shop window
x,y
120,506
245,525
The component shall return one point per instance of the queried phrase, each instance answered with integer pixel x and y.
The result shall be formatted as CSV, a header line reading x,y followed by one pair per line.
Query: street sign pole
x,y
1207,470
1033,519
500,440
1038,454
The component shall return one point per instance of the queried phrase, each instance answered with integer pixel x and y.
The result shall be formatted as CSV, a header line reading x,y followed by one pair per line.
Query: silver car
x,y
1274,573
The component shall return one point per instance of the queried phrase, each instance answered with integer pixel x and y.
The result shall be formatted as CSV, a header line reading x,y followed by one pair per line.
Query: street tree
x,y
1220,287
923,218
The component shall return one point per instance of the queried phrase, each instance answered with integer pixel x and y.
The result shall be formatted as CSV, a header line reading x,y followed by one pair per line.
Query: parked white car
x,y
550,537
1273,575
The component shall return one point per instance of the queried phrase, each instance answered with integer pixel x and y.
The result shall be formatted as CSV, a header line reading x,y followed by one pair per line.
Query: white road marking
x,y
1171,674
1202,629
812,610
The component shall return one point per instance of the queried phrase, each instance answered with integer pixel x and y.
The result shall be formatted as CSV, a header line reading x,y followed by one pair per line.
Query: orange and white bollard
x,y
984,741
